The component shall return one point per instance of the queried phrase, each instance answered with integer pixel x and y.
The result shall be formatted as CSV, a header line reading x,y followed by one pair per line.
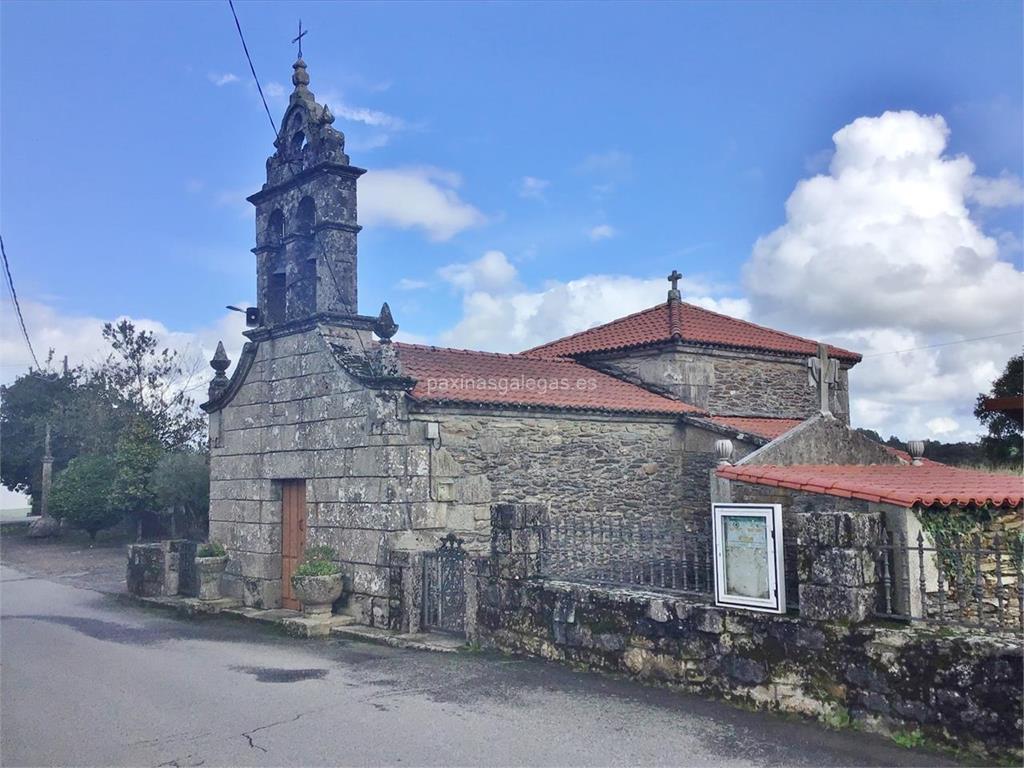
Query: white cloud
x,y
80,337
1000,192
423,198
533,188
492,273
275,90
881,254
408,284
367,116
220,79
498,315
602,232
942,425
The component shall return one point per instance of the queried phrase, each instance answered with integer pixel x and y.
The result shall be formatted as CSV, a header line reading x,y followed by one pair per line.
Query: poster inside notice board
x,y
748,550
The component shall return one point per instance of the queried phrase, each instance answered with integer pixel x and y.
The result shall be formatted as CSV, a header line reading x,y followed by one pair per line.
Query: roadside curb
x,y
294,624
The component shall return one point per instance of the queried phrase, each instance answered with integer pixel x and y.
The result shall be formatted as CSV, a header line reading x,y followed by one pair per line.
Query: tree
x,y
1003,443
81,494
138,452
152,383
81,417
181,483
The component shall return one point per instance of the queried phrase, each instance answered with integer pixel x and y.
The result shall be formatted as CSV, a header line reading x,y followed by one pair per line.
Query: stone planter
x,y
209,570
317,593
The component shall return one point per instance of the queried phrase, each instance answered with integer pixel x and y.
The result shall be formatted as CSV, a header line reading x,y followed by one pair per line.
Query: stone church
x,y
327,432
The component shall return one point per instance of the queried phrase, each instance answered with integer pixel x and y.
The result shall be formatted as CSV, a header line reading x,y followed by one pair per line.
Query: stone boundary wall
x,y
959,690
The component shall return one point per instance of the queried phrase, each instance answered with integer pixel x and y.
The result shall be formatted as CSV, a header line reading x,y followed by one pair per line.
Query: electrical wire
x,y
944,344
252,69
17,304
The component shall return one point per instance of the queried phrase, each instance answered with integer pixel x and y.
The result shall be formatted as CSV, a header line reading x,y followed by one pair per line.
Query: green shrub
x,y
81,494
318,561
909,739
211,549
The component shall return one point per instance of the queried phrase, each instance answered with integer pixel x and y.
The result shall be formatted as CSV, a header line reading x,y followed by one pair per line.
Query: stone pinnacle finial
x,y
300,77
219,363
674,278
385,327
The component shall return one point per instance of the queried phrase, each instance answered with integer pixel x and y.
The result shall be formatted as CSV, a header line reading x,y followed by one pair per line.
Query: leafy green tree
x,y
81,417
1002,444
181,484
81,494
151,382
137,454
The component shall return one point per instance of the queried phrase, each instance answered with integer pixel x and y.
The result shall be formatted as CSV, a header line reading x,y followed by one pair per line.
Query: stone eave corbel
x,y
238,377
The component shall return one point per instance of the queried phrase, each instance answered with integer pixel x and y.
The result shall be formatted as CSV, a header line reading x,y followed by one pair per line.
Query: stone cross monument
x,y
823,373
45,525
44,494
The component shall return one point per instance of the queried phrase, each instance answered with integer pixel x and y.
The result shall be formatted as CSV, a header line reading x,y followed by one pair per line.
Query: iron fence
x,y
663,556
973,580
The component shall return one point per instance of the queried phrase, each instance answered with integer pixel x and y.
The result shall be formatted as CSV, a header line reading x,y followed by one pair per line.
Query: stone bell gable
x,y
306,216
722,365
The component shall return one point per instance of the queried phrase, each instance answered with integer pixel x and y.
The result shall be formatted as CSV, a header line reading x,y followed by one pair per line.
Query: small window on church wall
x,y
748,556
305,217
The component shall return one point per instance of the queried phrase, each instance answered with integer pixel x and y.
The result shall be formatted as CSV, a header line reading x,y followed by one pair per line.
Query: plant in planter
x,y
317,581
211,560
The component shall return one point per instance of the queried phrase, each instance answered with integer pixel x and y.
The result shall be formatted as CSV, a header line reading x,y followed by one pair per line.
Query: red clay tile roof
x,y
485,378
766,428
688,323
900,484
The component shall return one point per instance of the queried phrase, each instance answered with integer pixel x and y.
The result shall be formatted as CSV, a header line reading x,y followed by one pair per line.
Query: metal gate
x,y
444,587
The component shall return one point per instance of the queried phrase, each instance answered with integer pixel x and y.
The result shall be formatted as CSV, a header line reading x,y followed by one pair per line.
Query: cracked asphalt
x,y
89,679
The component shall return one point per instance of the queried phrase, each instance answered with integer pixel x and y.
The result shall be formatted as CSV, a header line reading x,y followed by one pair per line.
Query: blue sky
x,y
611,141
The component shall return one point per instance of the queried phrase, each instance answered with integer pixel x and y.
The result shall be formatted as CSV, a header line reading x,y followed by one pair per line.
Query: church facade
x,y
328,432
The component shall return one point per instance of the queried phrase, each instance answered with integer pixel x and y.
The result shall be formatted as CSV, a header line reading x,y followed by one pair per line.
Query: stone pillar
x,y
519,536
44,493
836,570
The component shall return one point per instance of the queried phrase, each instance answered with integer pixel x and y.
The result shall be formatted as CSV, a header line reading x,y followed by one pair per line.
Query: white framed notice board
x,y
749,566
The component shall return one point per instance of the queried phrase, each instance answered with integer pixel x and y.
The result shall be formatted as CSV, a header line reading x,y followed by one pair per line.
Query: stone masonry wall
x,y
722,382
625,468
957,689
298,415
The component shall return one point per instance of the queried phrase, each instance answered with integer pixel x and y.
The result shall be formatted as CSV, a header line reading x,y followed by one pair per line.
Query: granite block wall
x,y
722,382
955,688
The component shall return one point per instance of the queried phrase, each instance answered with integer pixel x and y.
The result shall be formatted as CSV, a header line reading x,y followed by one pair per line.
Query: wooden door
x,y
293,536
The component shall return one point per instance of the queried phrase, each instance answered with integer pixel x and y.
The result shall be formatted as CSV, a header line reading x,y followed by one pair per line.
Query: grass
x,y
909,739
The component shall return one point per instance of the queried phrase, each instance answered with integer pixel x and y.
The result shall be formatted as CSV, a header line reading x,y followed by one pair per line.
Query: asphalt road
x,y
90,680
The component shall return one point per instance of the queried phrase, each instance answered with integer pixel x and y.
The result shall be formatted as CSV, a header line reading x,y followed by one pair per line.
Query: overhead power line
x,y
944,344
17,304
252,69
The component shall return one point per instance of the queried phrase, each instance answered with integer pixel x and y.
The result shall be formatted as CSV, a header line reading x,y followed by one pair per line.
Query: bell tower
x,y
306,226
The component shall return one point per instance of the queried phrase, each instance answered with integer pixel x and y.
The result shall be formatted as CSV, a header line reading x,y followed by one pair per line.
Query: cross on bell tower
x,y
298,38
